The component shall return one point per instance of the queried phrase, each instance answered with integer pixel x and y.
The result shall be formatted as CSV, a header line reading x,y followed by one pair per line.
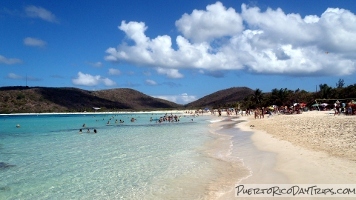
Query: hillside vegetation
x,y
222,98
44,99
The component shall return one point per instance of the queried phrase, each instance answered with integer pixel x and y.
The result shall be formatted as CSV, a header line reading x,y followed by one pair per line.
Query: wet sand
x,y
310,148
255,165
227,166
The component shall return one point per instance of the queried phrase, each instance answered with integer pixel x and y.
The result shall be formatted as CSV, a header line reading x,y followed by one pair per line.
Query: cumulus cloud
x,y
9,61
90,80
34,42
39,12
172,73
108,82
215,22
179,99
220,39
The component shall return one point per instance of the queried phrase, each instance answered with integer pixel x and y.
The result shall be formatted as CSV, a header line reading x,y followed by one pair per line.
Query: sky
x,y
178,50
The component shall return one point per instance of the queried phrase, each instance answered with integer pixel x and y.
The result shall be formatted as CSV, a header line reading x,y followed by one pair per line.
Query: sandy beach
x,y
314,130
310,148
314,147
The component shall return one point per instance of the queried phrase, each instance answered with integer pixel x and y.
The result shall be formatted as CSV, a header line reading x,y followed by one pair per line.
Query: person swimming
x,y
94,130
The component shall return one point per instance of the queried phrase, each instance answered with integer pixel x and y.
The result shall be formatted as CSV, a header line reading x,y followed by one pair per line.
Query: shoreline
x,y
313,130
220,150
298,161
98,113
244,151
277,156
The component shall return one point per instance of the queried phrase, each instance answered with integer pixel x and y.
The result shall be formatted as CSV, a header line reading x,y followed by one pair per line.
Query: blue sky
x,y
179,50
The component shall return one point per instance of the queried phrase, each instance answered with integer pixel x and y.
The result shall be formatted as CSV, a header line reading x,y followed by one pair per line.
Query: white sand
x,y
308,149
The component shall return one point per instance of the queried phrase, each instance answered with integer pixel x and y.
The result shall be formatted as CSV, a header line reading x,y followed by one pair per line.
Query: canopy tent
x,y
96,108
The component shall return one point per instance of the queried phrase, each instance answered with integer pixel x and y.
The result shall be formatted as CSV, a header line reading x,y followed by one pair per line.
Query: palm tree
x,y
257,97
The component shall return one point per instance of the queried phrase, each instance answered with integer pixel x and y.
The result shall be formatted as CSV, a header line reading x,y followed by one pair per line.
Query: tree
x,y
257,97
340,83
325,91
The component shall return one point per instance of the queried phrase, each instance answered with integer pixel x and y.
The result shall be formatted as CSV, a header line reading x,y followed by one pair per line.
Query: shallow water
x,y
50,159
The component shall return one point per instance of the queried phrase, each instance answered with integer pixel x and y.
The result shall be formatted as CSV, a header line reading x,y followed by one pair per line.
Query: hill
x,y
222,97
45,99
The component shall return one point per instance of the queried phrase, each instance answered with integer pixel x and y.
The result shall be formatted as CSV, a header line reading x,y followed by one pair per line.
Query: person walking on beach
x,y
257,113
337,108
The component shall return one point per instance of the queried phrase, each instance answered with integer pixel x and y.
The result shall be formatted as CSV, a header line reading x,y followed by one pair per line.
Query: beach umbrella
x,y
314,105
324,104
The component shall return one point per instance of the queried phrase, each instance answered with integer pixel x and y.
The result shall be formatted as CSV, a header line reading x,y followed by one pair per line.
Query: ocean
x,y
46,157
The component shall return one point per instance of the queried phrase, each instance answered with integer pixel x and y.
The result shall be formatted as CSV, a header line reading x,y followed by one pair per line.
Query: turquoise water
x,y
47,157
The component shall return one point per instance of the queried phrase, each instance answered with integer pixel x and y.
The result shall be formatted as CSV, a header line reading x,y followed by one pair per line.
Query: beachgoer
x,y
80,130
94,130
257,113
337,108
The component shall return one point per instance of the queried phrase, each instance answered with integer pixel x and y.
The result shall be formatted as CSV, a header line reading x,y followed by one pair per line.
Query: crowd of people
x,y
297,108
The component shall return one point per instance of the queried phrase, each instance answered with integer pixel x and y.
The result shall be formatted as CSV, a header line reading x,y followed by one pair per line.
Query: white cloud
x,y
215,22
39,12
90,80
113,71
108,82
9,61
14,76
34,42
266,42
171,73
180,99
86,79
150,82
